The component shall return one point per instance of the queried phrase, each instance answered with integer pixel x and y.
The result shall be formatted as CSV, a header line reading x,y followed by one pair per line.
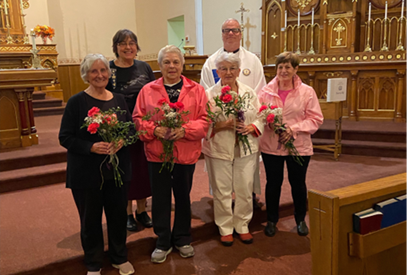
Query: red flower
x,y
225,89
270,118
172,106
273,107
226,98
93,111
179,105
93,128
162,101
262,108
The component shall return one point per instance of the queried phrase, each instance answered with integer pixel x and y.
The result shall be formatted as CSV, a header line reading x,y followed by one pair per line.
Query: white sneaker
x,y
159,256
124,268
186,251
94,272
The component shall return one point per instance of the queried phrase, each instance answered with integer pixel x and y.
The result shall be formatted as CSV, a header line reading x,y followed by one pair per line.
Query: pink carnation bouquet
x,y
273,116
230,103
110,129
172,118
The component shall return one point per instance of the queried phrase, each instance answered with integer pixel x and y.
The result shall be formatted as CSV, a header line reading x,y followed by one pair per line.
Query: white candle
x,y
298,18
33,39
402,9
285,24
385,11
5,7
312,20
370,11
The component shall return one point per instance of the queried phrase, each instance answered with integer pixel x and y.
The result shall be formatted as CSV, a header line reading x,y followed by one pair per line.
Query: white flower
x,y
171,115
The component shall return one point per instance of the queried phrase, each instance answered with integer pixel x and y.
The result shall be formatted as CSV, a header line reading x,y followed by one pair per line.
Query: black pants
x,y
180,181
90,204
274,166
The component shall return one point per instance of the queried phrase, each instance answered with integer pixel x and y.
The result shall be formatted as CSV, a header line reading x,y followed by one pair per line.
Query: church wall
x,y
36,14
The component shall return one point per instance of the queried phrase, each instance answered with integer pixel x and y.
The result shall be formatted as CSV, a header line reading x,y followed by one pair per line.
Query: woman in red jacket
x,y
173,88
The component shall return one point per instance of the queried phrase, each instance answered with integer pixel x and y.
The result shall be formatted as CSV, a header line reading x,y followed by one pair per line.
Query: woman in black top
x,y
128,77
86,152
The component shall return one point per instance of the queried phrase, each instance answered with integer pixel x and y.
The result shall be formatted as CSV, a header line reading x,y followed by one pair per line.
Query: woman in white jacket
x,y
230,166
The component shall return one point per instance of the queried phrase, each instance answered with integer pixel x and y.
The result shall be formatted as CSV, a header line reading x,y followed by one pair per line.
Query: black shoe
x,y
131,223
302,229
144,219
270,229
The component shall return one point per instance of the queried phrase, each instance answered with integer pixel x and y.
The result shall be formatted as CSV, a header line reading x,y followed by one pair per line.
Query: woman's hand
x,y
243,129
101,148
162,132
286,136
225,125
177,134
113,147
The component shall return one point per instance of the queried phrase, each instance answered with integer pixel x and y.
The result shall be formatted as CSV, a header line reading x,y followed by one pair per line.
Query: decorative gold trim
x,y
319,59
381,57
349,58
325,2
390,57
341,58
357,57
304,60
373,57
312,59
326,59
398,56
364,57
333,59
274,36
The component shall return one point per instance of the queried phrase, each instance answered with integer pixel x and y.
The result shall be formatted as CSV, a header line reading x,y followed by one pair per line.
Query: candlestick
x,y
298,35
5,7
285,24
312,18
400,46
370,11
385,11
298,18
402,9
33,39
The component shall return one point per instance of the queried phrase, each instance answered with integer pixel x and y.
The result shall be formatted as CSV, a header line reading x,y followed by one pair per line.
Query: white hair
x,y
231,19
228,57
88,61
170,49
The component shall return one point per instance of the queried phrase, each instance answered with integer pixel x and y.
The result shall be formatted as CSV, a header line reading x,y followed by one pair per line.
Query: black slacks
x,y
90,204
274,166
180,182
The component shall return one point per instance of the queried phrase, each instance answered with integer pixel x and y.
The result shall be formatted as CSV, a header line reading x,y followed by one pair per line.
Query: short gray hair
x,y
88,61
228,57
231,19
170,49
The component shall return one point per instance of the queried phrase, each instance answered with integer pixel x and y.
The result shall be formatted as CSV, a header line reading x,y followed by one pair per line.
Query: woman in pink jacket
x,y
302,115
172,87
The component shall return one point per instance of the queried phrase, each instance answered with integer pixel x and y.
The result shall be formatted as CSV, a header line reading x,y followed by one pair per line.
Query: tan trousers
x,y
228,176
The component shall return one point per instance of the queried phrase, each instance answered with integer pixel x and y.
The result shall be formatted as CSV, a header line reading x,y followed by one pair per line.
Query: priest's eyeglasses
x,y
130,44
234,30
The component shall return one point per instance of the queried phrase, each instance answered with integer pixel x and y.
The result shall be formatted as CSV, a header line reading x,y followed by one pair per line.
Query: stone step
x,y
47,102
38,95
52,156
49,111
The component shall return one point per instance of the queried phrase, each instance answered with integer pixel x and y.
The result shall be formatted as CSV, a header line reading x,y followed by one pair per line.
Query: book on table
x,y
394,211
367,221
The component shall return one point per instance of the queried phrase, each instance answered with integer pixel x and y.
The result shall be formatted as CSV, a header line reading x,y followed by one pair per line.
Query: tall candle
x,y
285,24
5,7
402,9
33,39
370,10
298,18
385,11
312,20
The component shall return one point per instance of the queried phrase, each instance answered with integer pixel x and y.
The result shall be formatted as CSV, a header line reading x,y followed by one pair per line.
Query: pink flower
x,y
225,89
162,101
273,107
93,127
93,111
262,108
270,118
179,105
172,106
226,98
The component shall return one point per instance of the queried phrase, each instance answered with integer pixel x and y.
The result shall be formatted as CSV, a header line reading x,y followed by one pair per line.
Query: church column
x,y
33,130
353,96
400,88
311,76
25,138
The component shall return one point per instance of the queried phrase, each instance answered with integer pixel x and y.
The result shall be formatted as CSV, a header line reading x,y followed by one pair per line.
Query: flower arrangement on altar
x,y
172,118
45,32
110,129
273,116
230,103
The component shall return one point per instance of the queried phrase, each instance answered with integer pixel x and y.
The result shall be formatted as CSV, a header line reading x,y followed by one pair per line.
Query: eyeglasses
x,y
232,70
235,30
130,44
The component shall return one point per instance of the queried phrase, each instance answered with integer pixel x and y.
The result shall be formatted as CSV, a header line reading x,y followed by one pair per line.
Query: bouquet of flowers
x,y
273,116
110,129
45,32
230,103
172,118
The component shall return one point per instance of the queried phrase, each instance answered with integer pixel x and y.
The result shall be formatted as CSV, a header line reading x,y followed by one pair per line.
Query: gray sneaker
x,y
159,256
186,251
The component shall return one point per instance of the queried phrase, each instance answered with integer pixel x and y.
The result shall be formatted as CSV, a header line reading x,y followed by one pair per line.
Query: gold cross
x,y
339,29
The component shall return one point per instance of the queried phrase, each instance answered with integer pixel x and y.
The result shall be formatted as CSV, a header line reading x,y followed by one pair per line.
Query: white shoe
x,y
159,256
124,268
94,272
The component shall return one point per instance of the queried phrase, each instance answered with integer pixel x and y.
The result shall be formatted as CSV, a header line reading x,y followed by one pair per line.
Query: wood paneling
x,y
70,79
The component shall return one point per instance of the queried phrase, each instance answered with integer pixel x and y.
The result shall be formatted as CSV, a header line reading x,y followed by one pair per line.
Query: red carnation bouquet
x,y
110,129
230,103
172,118
273,116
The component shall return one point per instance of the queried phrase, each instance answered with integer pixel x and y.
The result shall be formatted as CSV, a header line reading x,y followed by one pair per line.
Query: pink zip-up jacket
x,y
301,112
187,149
